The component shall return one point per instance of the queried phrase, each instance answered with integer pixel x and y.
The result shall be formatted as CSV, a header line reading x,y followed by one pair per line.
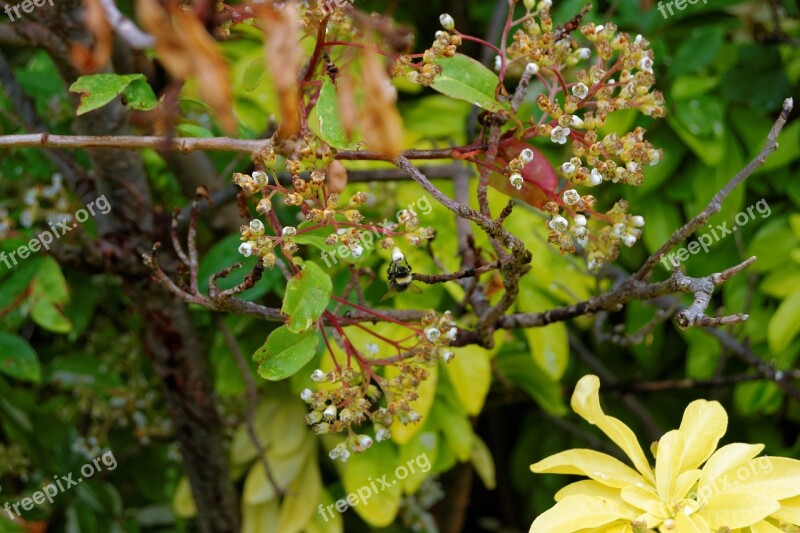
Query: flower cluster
x,y
425,72
49,204
357,399
515,166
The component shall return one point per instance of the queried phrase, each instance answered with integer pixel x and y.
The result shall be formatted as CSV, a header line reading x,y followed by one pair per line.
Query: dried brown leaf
x,y
283,57
380,120
186,49
348,110
88,59
337,177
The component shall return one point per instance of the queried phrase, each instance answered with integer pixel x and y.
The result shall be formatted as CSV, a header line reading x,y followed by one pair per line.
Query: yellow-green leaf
x,y
785,323
182,501
359,476
471,375
483,463
307,296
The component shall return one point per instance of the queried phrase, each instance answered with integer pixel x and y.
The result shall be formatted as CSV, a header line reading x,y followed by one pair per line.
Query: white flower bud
x,y
580,220
306,395
629,240
633,166
595,178
371,348
397,255
382,434
451,334
526,156
441,34
598,29
571,197
344,456
567,168
318,375
516,180
580,90
498,63
646,64
413,416
257,227
558,223
447,21
580,232
531,69
288,231
357,251
545,4
246,249
447,355
576,121
260,178
584,53
329,413
654,156
364,441
432,334
637,221
618,230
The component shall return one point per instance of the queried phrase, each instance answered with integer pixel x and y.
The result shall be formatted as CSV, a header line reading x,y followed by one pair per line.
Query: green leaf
x,y
18,359
466,79
193,130
285,352
50,283
48,316
98,90
307,296
330,123
785,323
698,51
518,368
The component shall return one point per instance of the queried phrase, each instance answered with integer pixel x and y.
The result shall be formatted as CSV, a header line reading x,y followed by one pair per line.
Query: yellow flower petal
x,y
598,466
668,463
579,512
727,457
646,499
684,483
703,424
622,527
685,524
764,527
777,478
736,509
589,487
789,511
586,403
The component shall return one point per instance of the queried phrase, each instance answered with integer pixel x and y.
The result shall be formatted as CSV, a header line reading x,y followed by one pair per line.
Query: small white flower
x,y
246,249
364,441
618,230
357,250
257,227
531,69
516,180
638,40
637,221
432,334
559,135
413,416
397,255
595,178
580,220
498,63
329,413
451,333
576,121
440,34
646,64
580,90
306,395
629,240
580,232
567,168
598,29
447,21
558,223
571,196
526,156
318,375
288,231
545,4
654,156
592,264
584,53
382,434
371,348
448,355
260,178
633,166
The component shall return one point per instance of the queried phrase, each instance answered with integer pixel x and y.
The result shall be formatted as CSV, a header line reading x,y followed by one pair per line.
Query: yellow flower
x,y
694,488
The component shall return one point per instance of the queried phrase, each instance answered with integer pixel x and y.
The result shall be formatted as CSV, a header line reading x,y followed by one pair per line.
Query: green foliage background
x,y
72,365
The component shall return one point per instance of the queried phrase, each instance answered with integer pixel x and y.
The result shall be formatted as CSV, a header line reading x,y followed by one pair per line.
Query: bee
x,y
400,277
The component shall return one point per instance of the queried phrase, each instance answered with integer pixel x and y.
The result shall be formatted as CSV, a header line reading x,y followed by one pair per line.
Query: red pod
x,y
539,177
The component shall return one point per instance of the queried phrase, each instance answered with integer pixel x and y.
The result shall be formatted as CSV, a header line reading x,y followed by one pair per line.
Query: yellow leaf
x,y
327,519
257,487
418,455
483,463
598,466
736,509
578,512
242,449
182,501
371,485
402,433
296,511
549,345
471,375
586,403
260,518
703,424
